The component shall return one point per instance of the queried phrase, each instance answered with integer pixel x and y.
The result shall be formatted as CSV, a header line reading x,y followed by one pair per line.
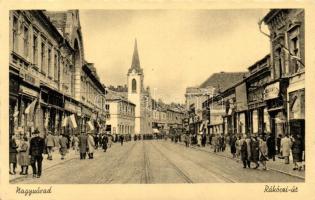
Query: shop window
x,y
297,104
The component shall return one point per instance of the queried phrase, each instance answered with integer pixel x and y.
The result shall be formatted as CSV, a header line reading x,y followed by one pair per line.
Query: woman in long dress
x,y
23,156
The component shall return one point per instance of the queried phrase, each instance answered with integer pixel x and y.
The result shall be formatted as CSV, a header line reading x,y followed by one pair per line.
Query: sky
x,y
177,48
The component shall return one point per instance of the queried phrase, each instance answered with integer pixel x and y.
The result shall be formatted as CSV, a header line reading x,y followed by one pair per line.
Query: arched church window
x,y
134,86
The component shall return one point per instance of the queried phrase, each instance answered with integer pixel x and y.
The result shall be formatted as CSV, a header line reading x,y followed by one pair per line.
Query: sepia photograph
x,y
159,96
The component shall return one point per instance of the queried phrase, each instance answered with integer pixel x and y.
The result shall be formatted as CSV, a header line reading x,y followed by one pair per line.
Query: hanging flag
x,y
30,108
90,125
73,121
16,113
64,121
46,120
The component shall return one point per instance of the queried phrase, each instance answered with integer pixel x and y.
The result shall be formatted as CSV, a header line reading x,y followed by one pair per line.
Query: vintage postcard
x,y
156,100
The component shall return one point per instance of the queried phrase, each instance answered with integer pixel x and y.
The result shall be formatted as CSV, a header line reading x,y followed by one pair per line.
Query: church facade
x,y
139,95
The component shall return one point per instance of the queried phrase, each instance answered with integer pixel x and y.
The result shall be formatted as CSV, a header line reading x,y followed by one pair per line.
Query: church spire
x,y
135,64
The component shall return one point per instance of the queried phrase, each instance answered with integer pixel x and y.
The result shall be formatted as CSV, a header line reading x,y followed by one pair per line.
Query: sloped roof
x,y
58,19
113,95
223,79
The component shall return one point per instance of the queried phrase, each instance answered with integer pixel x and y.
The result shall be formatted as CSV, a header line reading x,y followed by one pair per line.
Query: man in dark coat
x,y
12,155
121,139
244,153
83,145
254,146
233,145
271,145
104,142
96,140
37,145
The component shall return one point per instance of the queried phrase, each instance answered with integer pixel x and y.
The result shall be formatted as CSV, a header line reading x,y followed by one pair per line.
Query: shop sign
x,y
28,91
71,107
14,86
86,111
272,91
241,97
29,78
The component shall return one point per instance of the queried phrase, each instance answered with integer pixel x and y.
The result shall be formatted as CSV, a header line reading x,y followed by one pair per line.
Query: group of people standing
x,y
87,144
260,149
25,150
25,153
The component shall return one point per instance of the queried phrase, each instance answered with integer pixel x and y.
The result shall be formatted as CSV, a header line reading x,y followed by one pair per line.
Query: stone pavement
x,y
47,163
277,165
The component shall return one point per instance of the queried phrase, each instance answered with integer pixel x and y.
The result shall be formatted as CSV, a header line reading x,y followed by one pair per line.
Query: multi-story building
x,y
195,97
287,40
121,118
167,116
46,65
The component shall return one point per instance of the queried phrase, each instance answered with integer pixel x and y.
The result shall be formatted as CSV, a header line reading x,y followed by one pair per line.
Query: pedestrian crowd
x,y
25,150
255,149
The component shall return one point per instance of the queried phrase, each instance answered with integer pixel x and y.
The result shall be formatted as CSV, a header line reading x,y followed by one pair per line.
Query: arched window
x,y
134,85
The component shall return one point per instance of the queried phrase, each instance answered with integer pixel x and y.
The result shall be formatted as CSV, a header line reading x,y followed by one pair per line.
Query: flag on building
x,y
90,125
64,121
30,108
72,121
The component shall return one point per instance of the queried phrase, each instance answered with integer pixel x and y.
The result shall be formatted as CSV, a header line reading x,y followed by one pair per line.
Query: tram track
x,y
179,171
120,162
212,172
147,175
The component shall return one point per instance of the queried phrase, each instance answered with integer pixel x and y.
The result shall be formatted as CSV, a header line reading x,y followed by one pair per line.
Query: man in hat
x,y
37,145
50,144
83,145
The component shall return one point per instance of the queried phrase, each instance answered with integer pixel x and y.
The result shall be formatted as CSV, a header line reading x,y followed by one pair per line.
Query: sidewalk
x,y
46,163
277,165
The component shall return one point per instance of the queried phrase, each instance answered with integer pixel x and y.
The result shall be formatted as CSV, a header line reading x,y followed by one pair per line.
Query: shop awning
x,y
276,108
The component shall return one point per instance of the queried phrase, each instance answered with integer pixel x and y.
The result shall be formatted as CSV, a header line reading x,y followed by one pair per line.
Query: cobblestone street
x,y
152,161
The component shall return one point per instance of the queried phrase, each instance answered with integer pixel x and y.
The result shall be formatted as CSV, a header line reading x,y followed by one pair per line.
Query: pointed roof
x,y
135,64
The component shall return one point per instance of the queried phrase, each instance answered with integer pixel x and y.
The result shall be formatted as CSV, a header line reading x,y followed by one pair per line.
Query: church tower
x,y
135,88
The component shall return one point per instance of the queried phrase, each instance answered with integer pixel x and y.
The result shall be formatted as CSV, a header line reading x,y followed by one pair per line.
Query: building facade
x,y
121,118
287,40
271,98
45,69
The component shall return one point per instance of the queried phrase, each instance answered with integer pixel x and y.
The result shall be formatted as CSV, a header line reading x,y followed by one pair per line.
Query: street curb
x,y
24,177
273,169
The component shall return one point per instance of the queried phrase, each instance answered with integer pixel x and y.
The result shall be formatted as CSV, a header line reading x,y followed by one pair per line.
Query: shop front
x,y
296,113
256,107
71,117
87,123
52,110
275,98
14,86
241,110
